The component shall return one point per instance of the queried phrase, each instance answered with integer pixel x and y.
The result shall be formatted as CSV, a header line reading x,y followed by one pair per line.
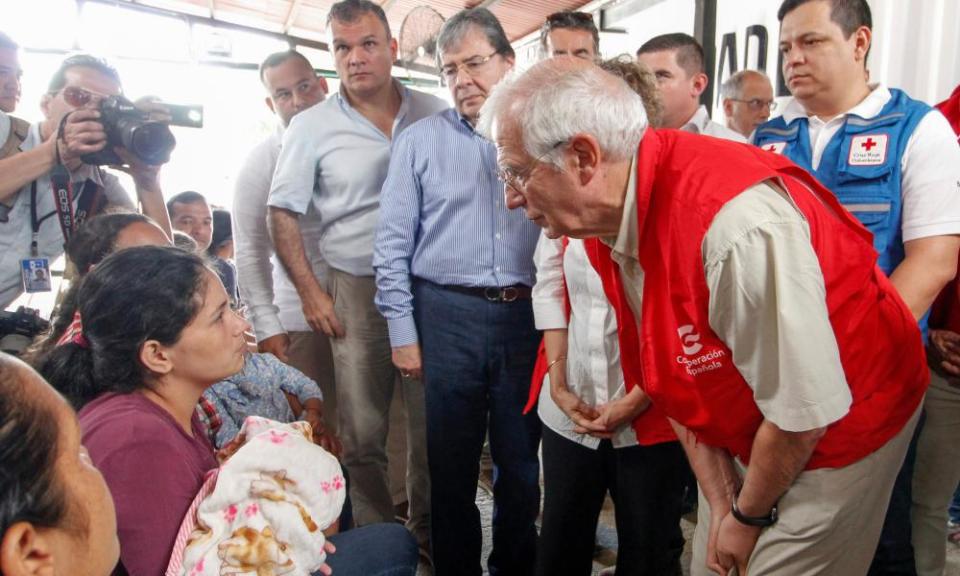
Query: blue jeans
x,y
374,550
478,358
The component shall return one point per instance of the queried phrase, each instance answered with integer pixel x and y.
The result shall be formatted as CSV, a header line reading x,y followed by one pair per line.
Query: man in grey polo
x,y
335,158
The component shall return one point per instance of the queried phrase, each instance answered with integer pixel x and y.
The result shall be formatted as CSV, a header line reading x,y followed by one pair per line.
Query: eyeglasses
x,y
471,66
757,104
80,97
518,180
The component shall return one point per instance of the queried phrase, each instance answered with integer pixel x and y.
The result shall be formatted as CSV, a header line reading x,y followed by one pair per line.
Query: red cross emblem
x,y
868,144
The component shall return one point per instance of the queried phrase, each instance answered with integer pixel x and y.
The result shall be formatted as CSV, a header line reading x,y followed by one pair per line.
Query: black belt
x,y
493,293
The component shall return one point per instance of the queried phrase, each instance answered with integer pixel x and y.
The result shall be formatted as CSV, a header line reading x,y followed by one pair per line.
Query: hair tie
x,y
74,333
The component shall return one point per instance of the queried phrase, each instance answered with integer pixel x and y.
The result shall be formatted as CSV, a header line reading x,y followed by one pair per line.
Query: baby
x,y
265,509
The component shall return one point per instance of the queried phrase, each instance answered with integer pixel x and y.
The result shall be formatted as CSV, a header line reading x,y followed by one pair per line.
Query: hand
x,y
82,134
318,310
276,345
947,344
614,415
576,409
146,177
735,544
407,360
719,512
329,548
321,436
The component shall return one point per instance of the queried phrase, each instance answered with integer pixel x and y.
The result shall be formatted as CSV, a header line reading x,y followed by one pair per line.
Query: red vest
x,y
682,183
651,426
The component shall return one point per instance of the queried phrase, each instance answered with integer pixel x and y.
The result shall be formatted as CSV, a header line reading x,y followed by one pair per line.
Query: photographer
x,y
32,229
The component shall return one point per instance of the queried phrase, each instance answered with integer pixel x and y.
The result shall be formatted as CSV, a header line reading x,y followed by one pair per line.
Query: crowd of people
x,y
574,265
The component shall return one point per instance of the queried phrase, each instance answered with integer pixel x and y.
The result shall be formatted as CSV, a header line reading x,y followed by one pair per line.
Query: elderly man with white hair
x,y
746,290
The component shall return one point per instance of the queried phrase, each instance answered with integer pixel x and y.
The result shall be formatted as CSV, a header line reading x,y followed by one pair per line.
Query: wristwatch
x,y
759,521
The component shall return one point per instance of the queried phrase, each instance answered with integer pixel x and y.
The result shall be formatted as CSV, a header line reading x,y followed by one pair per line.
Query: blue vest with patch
x,y
861,165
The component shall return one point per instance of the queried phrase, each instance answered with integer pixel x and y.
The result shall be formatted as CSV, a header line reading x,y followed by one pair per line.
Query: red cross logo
x,y
868,144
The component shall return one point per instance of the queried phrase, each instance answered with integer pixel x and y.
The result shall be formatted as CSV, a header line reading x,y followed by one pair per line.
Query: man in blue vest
x,y
892,161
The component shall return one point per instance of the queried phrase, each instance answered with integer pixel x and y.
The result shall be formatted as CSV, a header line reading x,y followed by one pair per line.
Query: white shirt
x,y
4,127
16,233
593,352
700,123
930,164
767,303
265,287
336,160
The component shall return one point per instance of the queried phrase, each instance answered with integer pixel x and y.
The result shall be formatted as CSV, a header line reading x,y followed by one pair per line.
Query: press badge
x,y
36,274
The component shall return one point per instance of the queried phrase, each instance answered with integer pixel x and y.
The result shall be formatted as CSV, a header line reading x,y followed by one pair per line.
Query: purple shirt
x,y
154,471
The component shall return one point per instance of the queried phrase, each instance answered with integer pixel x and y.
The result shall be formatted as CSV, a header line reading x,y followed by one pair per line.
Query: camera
x,y
18,329
131,128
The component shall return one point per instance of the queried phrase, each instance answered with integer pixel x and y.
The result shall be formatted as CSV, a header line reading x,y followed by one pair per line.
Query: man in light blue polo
x,y
334,158
454,271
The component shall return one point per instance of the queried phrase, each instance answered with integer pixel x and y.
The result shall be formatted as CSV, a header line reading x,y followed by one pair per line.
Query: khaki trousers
x,y
366,379
310,353
935,475
830,519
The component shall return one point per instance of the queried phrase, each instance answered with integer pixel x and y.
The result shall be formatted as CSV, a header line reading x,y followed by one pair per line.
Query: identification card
x,y
36,274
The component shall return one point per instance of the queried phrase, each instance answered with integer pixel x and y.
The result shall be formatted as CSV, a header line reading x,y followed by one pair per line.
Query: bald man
x,y
747,101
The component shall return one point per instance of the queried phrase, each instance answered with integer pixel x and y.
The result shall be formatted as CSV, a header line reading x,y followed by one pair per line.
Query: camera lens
x,y
151,142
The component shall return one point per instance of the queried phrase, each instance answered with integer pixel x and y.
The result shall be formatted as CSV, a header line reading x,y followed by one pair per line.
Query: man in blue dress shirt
x,y
454,268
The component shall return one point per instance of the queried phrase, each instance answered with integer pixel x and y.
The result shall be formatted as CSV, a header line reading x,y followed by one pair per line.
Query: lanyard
x,y
35,222
63,201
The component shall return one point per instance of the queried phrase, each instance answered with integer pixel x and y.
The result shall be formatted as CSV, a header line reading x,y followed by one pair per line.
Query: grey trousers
x,y
830,519
366,379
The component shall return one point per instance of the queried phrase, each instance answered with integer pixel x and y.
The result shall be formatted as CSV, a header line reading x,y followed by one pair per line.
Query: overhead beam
x,y
292,14
488,4
387,5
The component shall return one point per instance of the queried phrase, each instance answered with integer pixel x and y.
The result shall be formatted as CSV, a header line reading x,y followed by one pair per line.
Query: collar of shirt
x,y
867,108
401,113
4,127
627,241
697,123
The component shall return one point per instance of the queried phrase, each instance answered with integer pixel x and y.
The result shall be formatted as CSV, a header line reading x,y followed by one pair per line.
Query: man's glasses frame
x,y
518,180
758,104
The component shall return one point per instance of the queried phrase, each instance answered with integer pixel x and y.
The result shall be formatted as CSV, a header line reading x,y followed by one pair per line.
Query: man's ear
x,y
862,38
700,81
26,552
727,107
269,102
45,105
156,357
323,84
394,49
586,156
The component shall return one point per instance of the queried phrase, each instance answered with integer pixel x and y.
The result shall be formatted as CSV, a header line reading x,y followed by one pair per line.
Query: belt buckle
x,y
492,294
509,294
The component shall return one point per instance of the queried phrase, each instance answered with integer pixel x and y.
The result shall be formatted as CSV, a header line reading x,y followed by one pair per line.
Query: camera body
x,y
130,128
25,321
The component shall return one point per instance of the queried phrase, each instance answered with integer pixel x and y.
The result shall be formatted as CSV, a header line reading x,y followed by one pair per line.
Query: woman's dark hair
x,y
135,295
90,244
30,490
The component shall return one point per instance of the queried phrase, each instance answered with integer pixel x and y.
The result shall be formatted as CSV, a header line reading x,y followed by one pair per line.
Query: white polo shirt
x,y
265,287
930,177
